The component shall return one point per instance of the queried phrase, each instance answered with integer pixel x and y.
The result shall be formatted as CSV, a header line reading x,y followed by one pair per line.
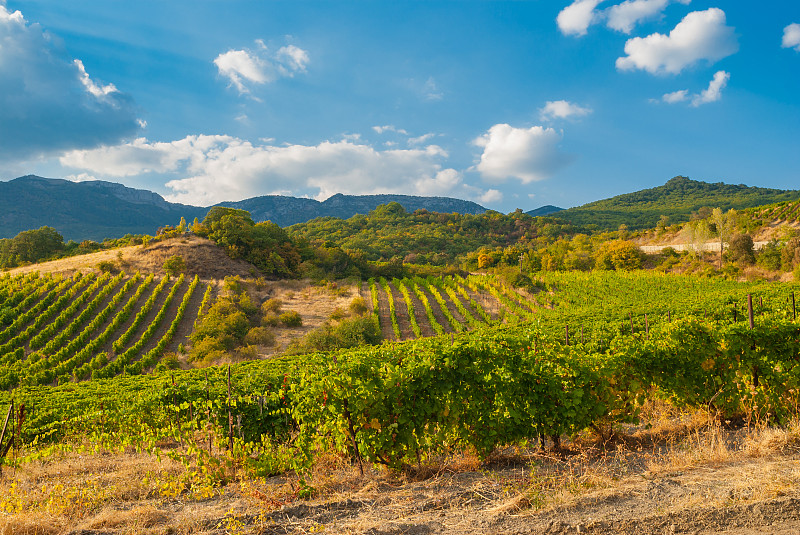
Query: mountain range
x,y
96,210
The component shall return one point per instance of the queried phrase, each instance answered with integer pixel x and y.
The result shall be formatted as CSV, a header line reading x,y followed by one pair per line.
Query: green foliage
x,y
740,250
106,266
620,255
291,318
390,234
174,265
265,244
30,246
676,200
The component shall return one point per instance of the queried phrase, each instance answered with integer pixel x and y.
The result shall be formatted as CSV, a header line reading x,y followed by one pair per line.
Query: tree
x,y
619,255
740,249
725,224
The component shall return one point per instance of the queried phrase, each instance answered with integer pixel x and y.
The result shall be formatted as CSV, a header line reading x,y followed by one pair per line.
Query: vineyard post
x,y
646,327
208,415
630,317
566,335
230,416
794,309
669,316
4,449
734,312
761,304
750,310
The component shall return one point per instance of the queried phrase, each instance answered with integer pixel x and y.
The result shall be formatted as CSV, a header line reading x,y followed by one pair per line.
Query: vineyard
x,y
511,365
57,329
469,362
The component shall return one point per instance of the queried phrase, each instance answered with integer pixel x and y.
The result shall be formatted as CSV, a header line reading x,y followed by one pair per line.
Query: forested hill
x,y
285,211
95,210
85,210
676,199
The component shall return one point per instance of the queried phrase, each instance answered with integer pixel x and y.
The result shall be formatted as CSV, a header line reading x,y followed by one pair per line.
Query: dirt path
x,y
425,326
384,314
401,311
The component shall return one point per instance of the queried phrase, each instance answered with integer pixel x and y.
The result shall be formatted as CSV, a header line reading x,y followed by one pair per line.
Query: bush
x,y
271,320
261,336
291,318
107,266
352,332
358,307
174,265
272,306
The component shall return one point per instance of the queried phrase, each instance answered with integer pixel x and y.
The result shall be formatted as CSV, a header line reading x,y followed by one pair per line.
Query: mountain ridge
x,y
99,209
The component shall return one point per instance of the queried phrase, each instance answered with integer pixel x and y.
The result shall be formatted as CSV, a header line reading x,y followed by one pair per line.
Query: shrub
x,y
107,266
358,307
174,265
291,318
261,336
271,306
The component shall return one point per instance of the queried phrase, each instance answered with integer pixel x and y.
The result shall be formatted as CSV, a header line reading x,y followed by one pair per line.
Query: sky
x,y
511,104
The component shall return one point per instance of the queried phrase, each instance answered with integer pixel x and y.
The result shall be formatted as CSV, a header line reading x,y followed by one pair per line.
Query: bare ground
x,y
202,257
694,479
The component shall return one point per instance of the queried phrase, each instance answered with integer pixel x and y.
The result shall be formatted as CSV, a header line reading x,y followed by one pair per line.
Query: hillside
x,y
85,210
286,211
95,210
676,199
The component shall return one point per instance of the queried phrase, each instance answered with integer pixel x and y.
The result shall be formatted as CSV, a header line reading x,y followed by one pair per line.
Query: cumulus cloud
x,y
576,18
623,17
528,154
207,169
562,109
676,96
791,36
712,94
714,91
48,101
419,140
246,67
700,36
389,128
491,196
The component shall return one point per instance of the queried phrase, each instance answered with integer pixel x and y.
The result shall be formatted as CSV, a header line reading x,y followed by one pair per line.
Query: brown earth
x,y
202,257
680,478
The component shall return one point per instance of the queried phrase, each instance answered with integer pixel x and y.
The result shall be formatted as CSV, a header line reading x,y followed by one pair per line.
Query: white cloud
x,y
529,154
389,128
712,94
623,17
420,139
676,96
791,36
701,35
48,100
714,91
259,66
431,91
576,18
491,196
562,109
209,169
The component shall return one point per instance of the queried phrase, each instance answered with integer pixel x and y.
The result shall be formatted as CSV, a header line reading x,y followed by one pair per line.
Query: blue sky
x,y
511,104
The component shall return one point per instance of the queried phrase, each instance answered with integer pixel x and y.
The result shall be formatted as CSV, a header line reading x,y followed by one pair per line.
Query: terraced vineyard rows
x,y
419,307
54,329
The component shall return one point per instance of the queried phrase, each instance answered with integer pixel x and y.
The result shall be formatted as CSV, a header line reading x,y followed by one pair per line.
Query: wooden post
x,y
208,417
4,449
750,310
761,304
669,316
630,317
646,326
566,336
794,309
582,341
734,313
230,416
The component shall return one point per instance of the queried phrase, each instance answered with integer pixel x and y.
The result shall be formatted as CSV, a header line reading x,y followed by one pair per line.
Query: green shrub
x,y
291,318
174,265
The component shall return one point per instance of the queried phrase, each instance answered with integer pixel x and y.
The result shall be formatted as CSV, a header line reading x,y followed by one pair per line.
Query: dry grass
x,y
678,462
